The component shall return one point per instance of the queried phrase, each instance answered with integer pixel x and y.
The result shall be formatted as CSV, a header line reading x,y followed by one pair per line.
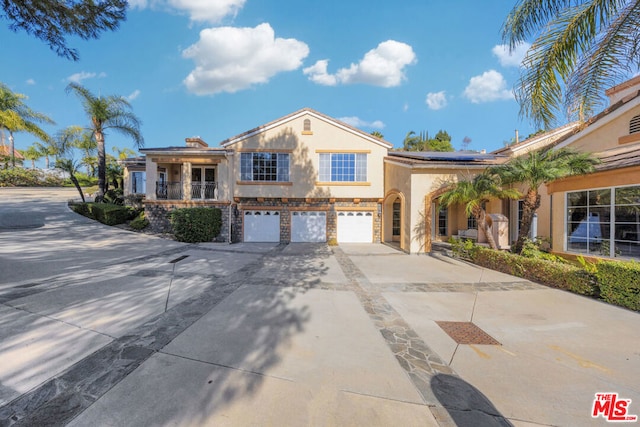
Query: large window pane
x,y
342,167
590,222
578,198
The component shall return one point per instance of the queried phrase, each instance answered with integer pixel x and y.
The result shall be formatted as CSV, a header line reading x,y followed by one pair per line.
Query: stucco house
x,y
305,177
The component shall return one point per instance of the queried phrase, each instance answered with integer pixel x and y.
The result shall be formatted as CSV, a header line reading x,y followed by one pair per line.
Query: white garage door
x,y
261,226
355,227
308,226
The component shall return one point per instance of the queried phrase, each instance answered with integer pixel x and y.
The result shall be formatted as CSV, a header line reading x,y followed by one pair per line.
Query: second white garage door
x,y
261,226
308,226
355,227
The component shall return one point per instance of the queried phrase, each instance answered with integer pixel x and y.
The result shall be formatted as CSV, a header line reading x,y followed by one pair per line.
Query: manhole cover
x,y
467,333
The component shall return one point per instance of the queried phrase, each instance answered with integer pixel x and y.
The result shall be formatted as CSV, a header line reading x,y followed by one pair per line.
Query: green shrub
x,y
19,177
550,273
620,283
194,225
105,213
462,248
140,222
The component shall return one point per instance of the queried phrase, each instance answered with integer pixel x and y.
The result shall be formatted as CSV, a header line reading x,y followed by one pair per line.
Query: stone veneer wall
x,y
157,212
285,209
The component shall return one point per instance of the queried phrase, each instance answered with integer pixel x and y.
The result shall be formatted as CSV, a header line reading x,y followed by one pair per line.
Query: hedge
x,y
106,213
550,273
194,225
620,283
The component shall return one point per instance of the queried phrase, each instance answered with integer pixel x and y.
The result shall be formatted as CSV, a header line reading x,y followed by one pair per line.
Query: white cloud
x,y
133,95
212,11
30,82
490,86
83,75
318,73
513,58
436,100
230,59
359,123
383,66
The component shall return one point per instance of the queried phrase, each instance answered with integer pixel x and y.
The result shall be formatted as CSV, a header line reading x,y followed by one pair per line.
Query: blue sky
x,y
216,68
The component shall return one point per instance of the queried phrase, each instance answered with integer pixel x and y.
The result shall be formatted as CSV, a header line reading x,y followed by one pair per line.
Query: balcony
x,y
199,191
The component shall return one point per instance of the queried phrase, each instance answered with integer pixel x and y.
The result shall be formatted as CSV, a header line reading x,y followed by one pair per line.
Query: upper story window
x,y
264,167
634,125
343,167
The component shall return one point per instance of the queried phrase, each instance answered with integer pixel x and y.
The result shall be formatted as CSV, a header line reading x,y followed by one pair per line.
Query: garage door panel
x,y
261,226
308,226
355,227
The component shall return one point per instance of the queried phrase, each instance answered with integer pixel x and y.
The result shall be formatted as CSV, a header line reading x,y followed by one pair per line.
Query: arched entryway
x,y
393,219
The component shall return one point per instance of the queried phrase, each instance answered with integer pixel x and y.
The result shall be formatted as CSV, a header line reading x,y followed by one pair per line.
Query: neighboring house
x,y
305,177
5,156
599,214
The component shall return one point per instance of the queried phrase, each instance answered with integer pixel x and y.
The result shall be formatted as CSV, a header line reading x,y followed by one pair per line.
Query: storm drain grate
x,y
467,333
180,258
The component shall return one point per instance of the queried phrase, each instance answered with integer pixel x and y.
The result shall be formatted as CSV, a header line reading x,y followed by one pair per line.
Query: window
x,y
264,167
343,167
306,125
138,181
442,221
604,222
397,221
472,222
634,125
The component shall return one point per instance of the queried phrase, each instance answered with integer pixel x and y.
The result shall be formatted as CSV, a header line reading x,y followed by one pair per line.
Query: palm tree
x,y
111,112
580,48
88,146
537,168
377,134
474,194
16,116
64,143
32,153
47,149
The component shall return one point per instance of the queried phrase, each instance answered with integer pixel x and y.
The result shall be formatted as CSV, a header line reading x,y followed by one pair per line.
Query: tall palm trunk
x,y
485,227
12,154
102,164
529,208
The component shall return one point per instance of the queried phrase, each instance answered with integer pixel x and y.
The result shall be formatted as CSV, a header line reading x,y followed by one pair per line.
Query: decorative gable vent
x,y
634,125
306,129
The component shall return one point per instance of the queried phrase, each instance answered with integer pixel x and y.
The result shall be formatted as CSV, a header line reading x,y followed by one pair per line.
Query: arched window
x,y
634,125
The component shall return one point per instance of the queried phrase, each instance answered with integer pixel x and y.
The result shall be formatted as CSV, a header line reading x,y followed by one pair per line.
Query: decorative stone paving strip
x,y
411,352
458,287
59,400
420,362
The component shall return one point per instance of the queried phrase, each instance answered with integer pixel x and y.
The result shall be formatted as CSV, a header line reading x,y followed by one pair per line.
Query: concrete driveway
x,y
101,326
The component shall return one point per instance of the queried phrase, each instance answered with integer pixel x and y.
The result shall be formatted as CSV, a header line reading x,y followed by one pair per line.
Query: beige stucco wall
x,y
417,184
398,184
304,152
605,136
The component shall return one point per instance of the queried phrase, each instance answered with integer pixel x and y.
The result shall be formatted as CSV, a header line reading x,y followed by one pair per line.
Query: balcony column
x,y
186,181
151,170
